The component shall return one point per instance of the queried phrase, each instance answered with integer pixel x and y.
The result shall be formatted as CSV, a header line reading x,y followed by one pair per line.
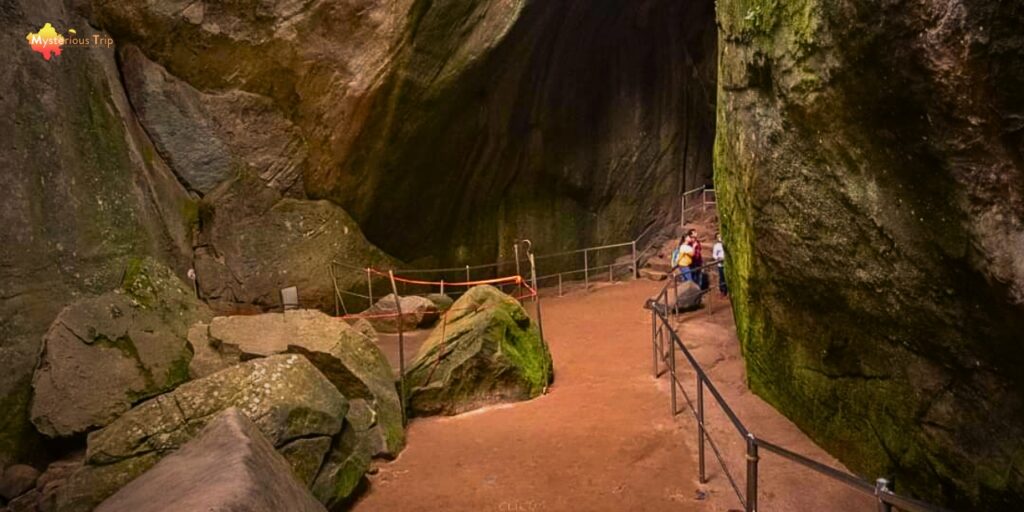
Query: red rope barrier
x,y
497,280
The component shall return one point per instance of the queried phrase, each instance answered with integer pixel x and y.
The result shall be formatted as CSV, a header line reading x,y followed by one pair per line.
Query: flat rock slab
x,y
229,466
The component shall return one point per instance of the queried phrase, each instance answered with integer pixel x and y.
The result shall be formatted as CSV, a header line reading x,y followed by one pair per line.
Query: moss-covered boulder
x,y
349,359
285,396
869,176
229,465
104,354
486,350
344,468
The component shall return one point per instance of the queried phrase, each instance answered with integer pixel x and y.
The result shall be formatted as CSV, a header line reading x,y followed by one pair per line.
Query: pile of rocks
x,y
278,411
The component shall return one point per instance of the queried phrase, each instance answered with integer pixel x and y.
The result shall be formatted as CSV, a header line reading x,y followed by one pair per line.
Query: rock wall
x,y
871,181
447,129
255,142
83,192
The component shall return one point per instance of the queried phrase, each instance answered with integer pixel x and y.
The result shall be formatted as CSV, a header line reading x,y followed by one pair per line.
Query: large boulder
x,y
107,353
416,312
486,351
349,360
253,241
285,396
870,179
229,465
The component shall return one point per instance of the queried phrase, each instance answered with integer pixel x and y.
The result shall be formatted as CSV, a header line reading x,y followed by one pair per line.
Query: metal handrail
x,y
660,324
467,269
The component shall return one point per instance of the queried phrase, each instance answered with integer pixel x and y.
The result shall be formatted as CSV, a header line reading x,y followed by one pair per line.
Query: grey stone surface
x,y
106,353
285,396
229,466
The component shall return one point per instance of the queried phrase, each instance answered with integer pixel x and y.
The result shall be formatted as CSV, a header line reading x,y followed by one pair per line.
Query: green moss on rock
x,y
486,350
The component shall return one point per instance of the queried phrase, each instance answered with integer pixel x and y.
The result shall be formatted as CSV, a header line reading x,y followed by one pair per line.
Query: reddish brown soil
x,y
604,437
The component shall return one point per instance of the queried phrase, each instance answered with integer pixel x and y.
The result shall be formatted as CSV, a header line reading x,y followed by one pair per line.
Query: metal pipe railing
x,y
661,312
636,251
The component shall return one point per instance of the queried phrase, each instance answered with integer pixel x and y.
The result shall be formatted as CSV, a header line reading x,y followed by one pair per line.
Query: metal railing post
x,y
636,265
702,476
515,247
467,273
672,371
586,271
559,284
654,336
611,278
752,459
401,345
882,487
536,298
369,286
675,294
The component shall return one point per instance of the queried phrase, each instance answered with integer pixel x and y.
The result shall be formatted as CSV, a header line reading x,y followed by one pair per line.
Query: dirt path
x,y
603,438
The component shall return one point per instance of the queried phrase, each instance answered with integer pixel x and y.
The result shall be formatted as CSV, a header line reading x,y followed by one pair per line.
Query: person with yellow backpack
x,y
682,258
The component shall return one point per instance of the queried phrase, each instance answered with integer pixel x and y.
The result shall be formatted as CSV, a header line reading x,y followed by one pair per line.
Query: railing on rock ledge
x,y
665,341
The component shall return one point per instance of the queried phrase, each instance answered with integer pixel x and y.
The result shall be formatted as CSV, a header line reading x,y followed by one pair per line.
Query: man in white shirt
x,y
718,254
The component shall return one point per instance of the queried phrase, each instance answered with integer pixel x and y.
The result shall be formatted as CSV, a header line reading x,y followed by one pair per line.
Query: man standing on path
x,y
718,254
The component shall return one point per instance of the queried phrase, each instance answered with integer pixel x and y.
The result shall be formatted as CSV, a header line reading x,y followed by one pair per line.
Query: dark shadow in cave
x,y
582,126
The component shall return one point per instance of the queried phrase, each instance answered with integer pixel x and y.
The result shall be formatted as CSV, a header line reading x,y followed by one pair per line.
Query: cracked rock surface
x,y
104,354
870,180
285,396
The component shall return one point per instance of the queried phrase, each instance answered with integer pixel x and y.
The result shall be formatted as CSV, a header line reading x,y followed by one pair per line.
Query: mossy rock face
x,y
107,353
485,350
873,235
80,199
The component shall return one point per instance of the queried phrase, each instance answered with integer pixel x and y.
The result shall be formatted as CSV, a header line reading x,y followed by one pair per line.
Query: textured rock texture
x,y
230,465
486,351
416,312
104,354
17,480
413,115
253,242
871,181
84,191
349,360
285,396
214,134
